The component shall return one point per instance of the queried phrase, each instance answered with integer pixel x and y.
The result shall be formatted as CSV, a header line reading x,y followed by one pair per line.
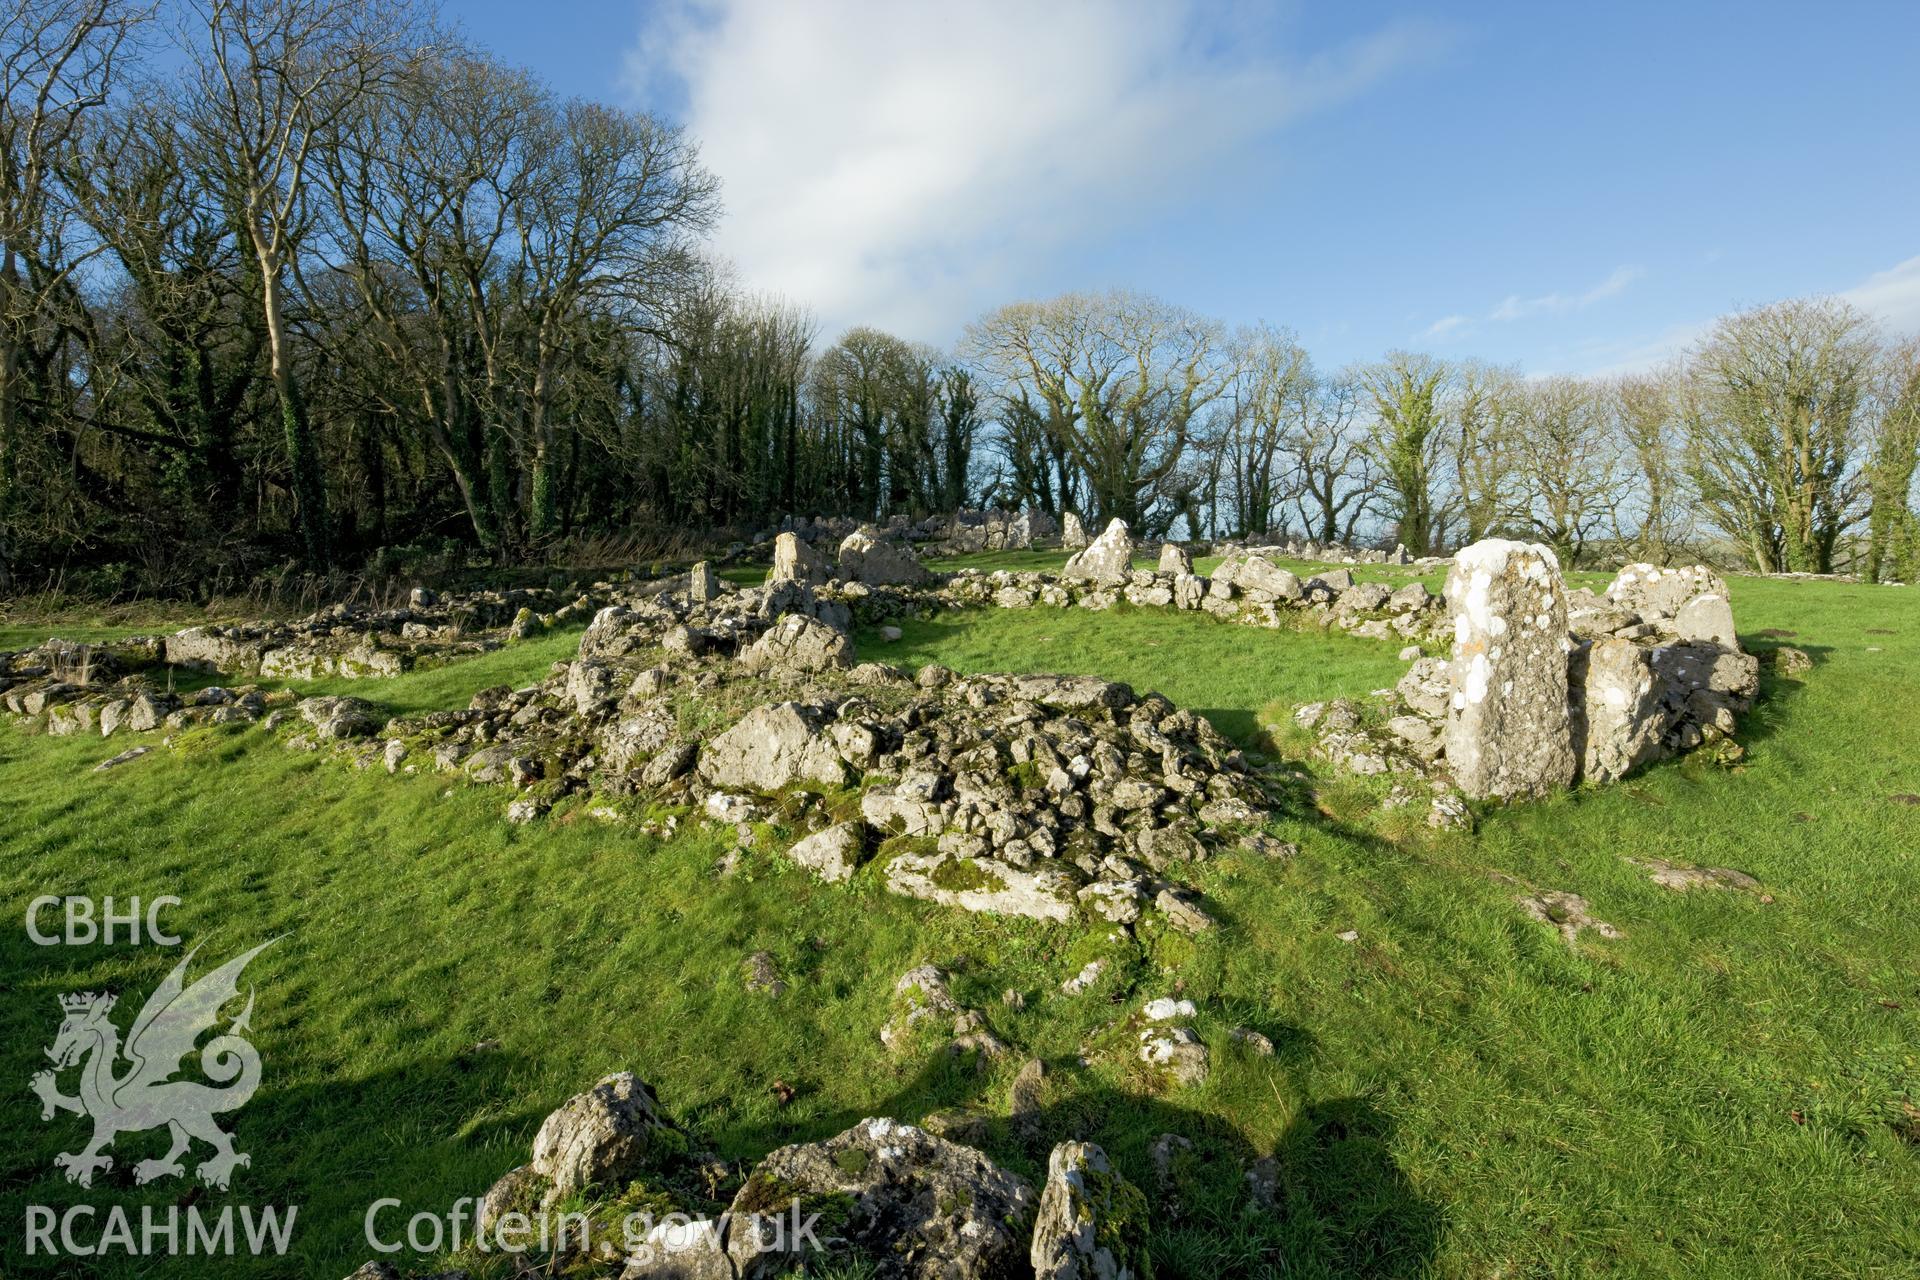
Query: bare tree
x,y
959,423
1485,408
269,80
183,346
1647,418
1028,452
1026,350
58,60
1335,482
1408,440
1893,528
860,383
1268,395
607,220
1569,463
421,194
1775,425
1123,379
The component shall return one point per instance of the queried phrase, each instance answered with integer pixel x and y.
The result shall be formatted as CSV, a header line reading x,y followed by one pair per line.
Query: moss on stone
x,y
963,875
764,1194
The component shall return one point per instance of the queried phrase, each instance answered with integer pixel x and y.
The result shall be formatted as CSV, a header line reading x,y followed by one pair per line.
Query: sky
x,y
1568,189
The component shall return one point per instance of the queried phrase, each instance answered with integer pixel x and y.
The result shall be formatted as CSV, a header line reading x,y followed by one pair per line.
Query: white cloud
x,y
1891,296
1453,326
1518,308
908,165
1514,307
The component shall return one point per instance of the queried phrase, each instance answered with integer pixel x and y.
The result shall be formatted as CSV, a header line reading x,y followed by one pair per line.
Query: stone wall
x,y
968,531
1545,687
1542,687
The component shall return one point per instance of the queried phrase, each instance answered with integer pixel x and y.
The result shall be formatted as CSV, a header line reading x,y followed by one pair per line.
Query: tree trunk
x,y
303,457
543,504
9,415
9,457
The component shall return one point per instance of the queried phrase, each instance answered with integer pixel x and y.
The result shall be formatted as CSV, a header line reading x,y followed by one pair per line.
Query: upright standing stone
x,y
1620,712
1073,534
1175,558
1092,1222
1508,733
1108,559
703,586
1019,535
794,561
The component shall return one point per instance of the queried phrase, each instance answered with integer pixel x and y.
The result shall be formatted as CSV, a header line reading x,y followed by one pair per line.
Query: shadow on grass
x,y
427,1134
1332,1202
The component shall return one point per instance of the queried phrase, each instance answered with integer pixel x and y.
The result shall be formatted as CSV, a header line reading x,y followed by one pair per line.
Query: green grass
x,y
1717,1092
15,636
1223,670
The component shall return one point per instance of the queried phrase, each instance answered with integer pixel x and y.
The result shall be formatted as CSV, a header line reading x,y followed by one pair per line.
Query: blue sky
x,y
1570,189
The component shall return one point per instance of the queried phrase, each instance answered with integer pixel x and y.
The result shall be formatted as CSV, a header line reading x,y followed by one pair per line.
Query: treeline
x,y
296,281
1783,435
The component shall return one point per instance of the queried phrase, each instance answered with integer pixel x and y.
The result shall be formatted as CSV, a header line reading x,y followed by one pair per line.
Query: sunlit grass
x,y
1455,1093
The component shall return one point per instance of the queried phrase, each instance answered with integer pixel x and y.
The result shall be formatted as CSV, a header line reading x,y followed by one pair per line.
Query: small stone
x,y
1669,875
1255,1043
1263,1182
1178,1050
1181,912
1568,912
833,854
1266,846
1166,1008
762,977
1166,1149
600,1137
869,560
1107,561
1087,976
1508,734
1449,812
1789,661
1025,1098
703,584
795,561
130,754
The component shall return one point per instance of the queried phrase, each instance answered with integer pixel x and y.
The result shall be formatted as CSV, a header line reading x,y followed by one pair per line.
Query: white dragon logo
x,y
145,1096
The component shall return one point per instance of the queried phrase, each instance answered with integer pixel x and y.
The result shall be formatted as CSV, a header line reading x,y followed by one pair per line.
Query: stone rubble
x,y
127,685
1045,796
882,1195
